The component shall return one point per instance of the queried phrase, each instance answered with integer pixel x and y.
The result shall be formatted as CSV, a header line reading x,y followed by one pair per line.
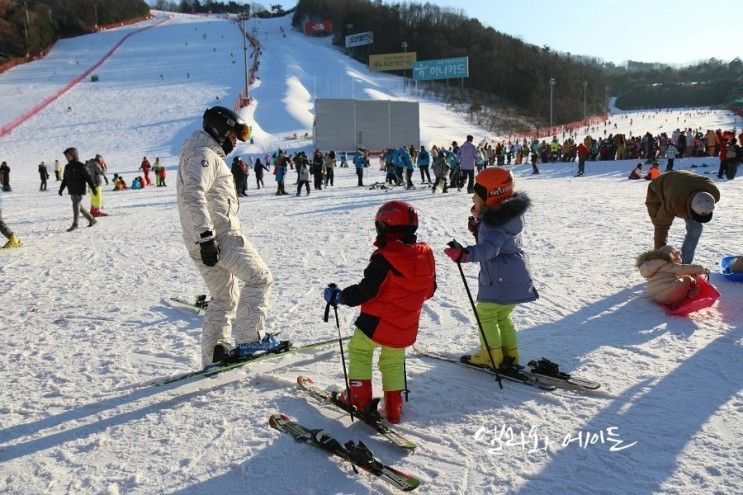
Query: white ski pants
x,y
238,260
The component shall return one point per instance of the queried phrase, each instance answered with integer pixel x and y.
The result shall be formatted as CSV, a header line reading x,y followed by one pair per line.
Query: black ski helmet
x,y
219,121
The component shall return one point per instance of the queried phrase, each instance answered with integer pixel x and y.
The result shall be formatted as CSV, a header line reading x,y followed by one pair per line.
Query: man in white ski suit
x,y
208,205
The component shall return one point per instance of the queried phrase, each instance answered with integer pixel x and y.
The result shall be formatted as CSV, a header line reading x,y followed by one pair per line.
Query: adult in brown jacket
x,y
684,195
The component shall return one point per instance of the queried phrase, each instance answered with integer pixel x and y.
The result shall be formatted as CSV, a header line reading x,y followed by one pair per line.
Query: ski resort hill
x,y
87,320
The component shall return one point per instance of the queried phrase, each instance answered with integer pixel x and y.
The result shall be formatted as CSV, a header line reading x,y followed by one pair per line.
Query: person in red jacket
x,y
723,158
145,167
582,154
400,276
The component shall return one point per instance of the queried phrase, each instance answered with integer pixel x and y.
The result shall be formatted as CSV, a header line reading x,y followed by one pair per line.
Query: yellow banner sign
x,y
392,61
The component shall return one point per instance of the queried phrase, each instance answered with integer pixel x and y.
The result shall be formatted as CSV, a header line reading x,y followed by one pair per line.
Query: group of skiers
x,y
400,275
399,278
320,168
158,169
76,177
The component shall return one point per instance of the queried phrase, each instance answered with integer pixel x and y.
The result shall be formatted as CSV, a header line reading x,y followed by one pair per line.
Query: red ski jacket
x,y
398,279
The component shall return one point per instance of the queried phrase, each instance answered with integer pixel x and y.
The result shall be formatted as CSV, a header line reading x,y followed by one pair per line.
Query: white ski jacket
x,y
207,200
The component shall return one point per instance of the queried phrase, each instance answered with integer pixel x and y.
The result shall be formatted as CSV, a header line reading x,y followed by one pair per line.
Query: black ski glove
x,y
209,252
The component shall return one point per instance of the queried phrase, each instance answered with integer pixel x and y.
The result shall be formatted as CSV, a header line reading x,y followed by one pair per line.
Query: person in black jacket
x,y
239,176
75,177
5,177
43,175
316,169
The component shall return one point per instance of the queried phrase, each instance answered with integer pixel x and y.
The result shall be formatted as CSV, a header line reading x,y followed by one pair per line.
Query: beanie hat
x,y
494,185
703,203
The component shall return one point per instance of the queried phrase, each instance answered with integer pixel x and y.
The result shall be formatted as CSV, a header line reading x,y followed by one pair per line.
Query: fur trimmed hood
x,y
511,208
656,254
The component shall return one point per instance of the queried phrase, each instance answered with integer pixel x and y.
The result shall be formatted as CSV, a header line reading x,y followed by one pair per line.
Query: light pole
x,y
585,90
243,18
25,29
349,26
404,45
552,85
606,99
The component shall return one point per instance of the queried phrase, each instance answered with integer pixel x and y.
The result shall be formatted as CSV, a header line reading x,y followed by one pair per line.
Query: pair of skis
x,y
357,454
543,375
218,368
371,416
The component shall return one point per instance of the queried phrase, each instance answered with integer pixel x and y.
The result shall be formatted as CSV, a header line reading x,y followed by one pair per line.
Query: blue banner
x,y
442,68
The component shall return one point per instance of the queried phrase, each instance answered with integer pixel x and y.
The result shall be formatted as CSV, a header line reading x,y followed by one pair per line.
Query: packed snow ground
x,y
85,318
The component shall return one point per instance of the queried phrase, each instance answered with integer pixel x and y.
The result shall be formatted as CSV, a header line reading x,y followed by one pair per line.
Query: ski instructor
x,y
208,205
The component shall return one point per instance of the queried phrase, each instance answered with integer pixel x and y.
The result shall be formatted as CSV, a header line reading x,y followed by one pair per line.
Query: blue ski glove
x,y
332,295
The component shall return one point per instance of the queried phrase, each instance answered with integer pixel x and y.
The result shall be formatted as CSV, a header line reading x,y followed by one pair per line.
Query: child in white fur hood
x,y
669,281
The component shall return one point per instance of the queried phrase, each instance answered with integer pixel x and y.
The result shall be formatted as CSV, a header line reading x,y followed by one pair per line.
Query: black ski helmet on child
x,y
219,121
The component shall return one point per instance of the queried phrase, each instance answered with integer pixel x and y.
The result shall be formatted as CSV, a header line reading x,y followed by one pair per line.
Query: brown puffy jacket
x,y
664,283
669,196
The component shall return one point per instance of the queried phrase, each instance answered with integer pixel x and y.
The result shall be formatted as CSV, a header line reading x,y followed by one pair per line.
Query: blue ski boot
x,y
224,353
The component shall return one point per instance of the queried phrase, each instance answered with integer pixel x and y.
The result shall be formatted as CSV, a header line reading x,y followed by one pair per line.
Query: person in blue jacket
x,y
505,278
280,166
399,166
359,163
407,163
424,161
389,166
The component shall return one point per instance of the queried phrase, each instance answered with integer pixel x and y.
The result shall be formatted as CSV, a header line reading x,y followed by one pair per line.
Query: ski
x,y
549,372
198,306
371,417
357,454
217,368
513,374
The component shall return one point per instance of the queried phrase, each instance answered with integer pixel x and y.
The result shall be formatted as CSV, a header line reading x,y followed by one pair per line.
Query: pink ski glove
x,y
457,254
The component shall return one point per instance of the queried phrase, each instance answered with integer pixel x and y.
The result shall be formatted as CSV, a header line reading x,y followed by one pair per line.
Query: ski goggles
x,y
243,132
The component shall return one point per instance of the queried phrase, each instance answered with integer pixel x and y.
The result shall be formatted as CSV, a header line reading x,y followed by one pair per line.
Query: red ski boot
x,y
393,405
361,394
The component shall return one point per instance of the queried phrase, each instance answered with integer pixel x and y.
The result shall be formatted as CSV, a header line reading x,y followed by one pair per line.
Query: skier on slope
x,y
75,177
505,277
207,205
145,167
400,276
467,155
13,240
97,172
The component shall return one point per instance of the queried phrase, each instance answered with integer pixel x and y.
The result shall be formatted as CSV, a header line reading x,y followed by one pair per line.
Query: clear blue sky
x,y
672,32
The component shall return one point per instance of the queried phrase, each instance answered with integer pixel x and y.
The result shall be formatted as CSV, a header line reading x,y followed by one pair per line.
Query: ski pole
x,y
405,376
340,344
455,244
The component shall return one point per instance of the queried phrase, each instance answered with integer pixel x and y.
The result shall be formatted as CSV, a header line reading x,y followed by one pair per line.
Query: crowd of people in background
x,y
442,168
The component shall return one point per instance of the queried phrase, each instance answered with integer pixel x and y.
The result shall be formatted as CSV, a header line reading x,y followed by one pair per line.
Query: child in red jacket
x,y
400,276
